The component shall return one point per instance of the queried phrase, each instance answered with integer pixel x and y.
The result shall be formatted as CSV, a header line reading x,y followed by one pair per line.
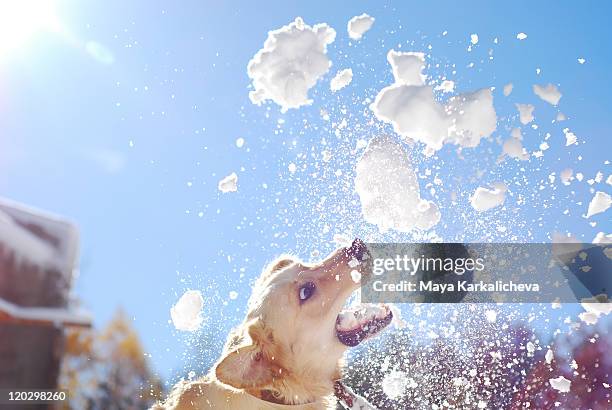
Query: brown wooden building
x,y
38,263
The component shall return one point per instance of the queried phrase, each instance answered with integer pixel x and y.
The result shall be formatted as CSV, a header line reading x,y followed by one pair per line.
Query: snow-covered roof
x,y
10,312
56,247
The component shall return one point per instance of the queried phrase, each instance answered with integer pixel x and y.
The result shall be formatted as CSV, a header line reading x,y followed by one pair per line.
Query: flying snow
x,y
508,89
229,183
525,113
407,67
414,113
600,203
560,384
388,188
341,79
290,63
186,314
485,199
358,25
548,93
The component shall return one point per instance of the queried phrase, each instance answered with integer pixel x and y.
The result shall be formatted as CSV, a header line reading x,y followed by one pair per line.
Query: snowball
x,y
561,384
239,142
233,295
407,67
485,199
292,167
600,203
521,36
548,93
508,89
358,25
341,80
187,313
525,112
473,117
388,189
581,61
229,183
491,316
356,276
290,63
474,38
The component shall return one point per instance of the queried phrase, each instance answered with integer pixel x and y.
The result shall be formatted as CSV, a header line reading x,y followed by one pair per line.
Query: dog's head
x,y
295,329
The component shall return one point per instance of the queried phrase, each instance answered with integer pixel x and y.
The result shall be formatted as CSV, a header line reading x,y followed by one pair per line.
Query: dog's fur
x,y
285,354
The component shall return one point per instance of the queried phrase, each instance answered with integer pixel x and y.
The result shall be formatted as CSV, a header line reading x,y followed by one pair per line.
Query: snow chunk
x,y
229,183
521,36
388,189
290,63
407,67
600,203
594,308
413,112
187,313
561,384
549,356
239,142
341,80
602,238
491,316
570,137
548,93
473,117
513,147
474,38
485,199
508,89
358,25
525,112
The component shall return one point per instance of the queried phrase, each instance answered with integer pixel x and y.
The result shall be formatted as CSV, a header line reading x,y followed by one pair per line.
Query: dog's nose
x,y
358,250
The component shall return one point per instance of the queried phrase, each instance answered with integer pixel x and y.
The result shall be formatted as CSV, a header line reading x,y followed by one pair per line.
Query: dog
x,y
288,352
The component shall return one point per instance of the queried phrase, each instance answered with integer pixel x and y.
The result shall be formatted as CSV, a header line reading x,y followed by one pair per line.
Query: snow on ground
x,y
186,314
548,93
229,183
358,25
388,188
600,203
341,79
290,63
485,198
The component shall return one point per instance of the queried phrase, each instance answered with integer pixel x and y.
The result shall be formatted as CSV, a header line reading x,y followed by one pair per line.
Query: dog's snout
x,y
358,250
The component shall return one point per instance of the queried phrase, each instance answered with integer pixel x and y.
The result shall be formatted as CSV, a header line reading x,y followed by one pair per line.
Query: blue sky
x,y
133,150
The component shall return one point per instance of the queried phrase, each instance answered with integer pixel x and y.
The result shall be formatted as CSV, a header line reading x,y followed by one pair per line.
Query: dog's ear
x,y
247,367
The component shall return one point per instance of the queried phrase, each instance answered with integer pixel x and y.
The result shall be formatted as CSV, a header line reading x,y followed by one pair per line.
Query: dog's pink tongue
x,y
352,337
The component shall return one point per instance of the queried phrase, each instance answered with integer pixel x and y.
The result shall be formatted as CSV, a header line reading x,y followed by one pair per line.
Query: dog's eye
x,y
306,291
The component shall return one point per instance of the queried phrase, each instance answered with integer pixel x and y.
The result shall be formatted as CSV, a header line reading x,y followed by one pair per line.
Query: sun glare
x,y
20,20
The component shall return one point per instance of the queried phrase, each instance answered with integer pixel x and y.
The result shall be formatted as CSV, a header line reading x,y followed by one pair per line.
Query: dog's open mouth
x,y
362,322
